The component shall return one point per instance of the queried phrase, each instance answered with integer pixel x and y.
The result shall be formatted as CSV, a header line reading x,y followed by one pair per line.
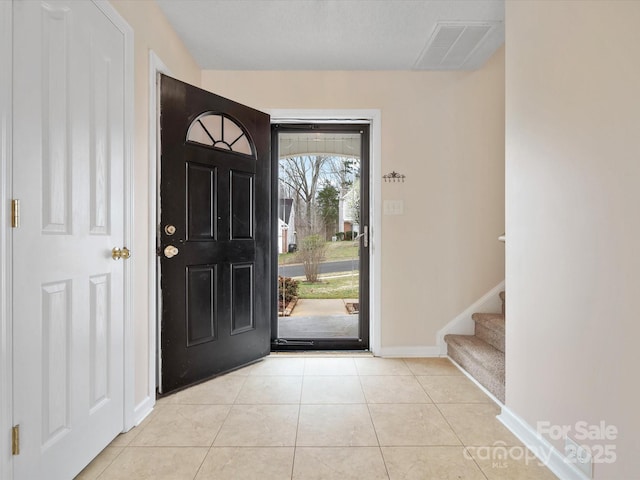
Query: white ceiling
x,y
334,34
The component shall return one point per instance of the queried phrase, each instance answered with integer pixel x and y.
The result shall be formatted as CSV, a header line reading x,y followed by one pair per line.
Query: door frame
x,y
156,66
6,331
374,118
6,251
363,341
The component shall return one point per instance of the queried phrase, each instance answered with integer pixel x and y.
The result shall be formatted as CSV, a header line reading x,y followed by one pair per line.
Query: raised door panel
x,y
100,142
201,304
54,65
56,336
202,203
242,207
99,335
242,298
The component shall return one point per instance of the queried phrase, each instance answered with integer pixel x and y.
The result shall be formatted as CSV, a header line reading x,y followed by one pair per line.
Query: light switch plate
x,y
393,207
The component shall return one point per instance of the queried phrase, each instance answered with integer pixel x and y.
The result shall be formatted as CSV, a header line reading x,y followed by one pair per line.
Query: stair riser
x,y
493,338
484,377
482,354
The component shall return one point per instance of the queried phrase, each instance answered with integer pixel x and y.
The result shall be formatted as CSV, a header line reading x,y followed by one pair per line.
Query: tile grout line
x,y
464,446
373,425
245,377
309,373
204,458
295,440
108,464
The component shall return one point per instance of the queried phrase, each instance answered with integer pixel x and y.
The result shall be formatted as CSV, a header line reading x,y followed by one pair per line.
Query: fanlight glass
x,y
221,132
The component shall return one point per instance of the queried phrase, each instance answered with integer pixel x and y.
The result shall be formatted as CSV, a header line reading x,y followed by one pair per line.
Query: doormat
x,y
353,307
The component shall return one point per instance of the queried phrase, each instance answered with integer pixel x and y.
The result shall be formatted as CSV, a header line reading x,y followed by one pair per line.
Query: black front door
x,y
214,232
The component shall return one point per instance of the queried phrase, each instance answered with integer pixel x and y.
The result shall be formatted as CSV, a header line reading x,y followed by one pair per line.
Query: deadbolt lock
x,y
170,251
169,229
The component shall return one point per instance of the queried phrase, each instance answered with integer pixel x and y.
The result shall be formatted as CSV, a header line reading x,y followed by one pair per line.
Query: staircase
x,y
482,354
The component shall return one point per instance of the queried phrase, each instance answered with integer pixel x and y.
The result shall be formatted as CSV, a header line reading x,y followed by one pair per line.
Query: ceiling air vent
x,y
452,44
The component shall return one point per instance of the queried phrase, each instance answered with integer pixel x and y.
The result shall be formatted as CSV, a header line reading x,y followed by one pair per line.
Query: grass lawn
x,y
344,286
335,251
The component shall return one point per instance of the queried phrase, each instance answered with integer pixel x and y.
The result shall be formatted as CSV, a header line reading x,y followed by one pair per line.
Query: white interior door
x,y
68,291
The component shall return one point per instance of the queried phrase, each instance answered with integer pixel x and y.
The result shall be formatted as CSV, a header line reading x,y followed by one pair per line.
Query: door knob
x,y
120,253
169,229
170,251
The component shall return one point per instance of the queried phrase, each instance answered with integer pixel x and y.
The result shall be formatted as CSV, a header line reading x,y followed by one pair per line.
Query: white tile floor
x,y
306,418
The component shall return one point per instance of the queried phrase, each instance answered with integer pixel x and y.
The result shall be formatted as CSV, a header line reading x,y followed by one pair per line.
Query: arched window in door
x,y
215,130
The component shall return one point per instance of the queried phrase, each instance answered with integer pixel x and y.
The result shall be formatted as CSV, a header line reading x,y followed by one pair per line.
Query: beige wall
x,y
151,32
445,132
573,228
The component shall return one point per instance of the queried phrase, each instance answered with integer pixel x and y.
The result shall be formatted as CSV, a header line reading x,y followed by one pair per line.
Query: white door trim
x,y
156,66
6,353
374,118
129,265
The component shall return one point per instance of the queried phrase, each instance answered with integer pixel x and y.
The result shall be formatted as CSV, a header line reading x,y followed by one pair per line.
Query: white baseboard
x,y
408,352
477,383
463,324
540,446
142,410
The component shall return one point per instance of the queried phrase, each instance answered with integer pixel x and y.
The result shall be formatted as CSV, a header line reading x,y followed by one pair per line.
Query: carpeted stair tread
x,y
493,321
490,328
484,362
480,351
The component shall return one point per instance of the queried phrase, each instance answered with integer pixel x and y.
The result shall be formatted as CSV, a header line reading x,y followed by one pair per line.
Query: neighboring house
x,y
286,224
347,221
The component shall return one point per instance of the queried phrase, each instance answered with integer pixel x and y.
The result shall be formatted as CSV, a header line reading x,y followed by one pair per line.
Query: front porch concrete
x,y
319,319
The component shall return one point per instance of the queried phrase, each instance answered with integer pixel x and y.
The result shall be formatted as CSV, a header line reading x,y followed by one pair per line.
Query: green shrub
x,y
312,252
287,287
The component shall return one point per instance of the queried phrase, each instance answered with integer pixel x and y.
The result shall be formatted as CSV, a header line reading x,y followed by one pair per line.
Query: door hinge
x,y
15,440
15,213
